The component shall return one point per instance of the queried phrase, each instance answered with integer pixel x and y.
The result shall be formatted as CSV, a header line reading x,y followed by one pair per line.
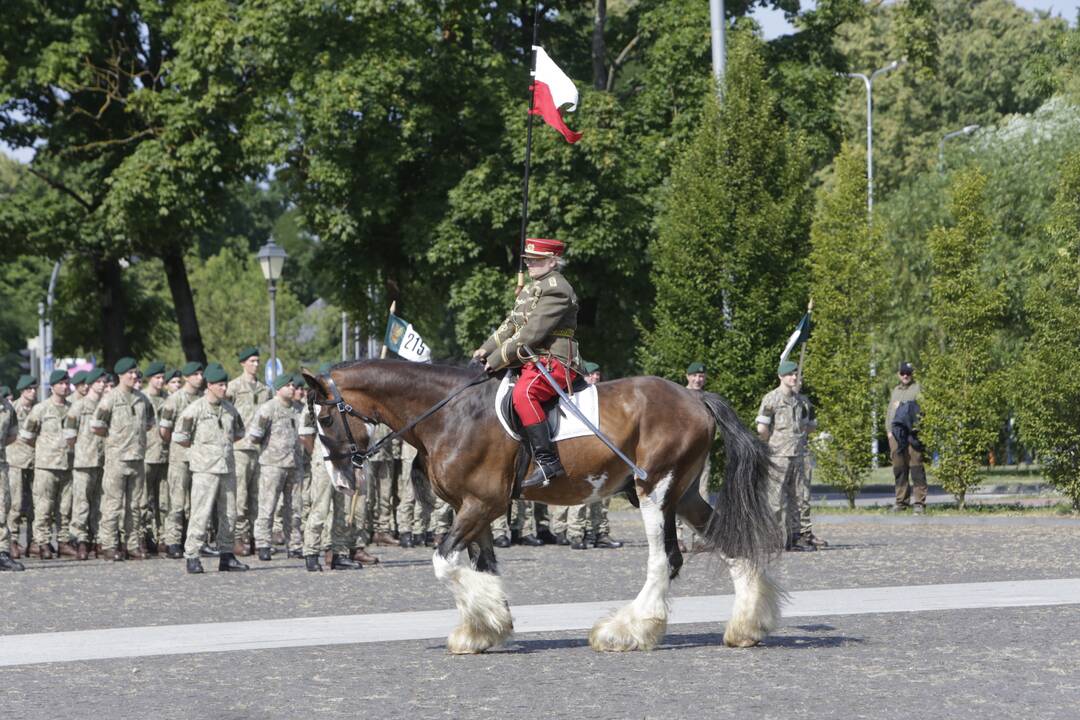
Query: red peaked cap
x,y
543,248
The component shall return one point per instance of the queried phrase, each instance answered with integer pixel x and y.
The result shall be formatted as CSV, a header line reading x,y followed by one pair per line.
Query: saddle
x,y
509,417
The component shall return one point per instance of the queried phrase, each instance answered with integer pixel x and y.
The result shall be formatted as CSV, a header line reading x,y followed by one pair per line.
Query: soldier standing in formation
x,y
157,463
179,478
274,429
44,431
247,394
123,418
88,464
21,468
380,490
909,462
412,519
209,426
9,430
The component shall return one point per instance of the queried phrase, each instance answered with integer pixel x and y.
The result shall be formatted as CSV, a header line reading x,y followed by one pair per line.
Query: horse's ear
x,y
315,382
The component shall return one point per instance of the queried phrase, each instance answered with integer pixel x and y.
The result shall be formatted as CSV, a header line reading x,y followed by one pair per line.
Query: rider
x,y
544,318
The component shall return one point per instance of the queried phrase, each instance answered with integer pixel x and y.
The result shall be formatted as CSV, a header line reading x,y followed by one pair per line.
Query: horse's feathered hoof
x,y
624,631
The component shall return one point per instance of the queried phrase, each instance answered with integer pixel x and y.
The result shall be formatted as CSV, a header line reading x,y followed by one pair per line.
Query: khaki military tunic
x,y
247,395
179,473
9,430
156,509
88,465
788,417
52,469
126,416
275,429
544,318
211,428
20,474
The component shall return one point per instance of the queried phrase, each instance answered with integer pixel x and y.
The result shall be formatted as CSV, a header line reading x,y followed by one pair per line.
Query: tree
x,y
1048,399
961,391
729,259
848,288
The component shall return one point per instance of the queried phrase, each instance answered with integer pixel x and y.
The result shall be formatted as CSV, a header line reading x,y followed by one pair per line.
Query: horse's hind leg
x,y
478,594
756,611
642,624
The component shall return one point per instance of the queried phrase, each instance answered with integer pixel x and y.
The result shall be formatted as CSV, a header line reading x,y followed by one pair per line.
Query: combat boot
x,y
9,565
194,566
16,550
265,554
548,464
383,538
311,562
429,538
66,549
503,541
581,543
45,551
606,541
361,555
82,552
547,537
341,562
816,541
560,539
227,562
207,551
174,552
241,548
112,554
406,540
803,544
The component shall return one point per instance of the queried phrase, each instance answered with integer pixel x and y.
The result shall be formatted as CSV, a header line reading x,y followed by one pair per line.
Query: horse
x,y
471,463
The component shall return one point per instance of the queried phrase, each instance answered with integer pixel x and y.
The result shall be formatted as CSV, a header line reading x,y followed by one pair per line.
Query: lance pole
x,y
802,352
382,353
528,148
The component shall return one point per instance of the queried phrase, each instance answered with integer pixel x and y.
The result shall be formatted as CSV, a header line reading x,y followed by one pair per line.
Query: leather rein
x,y
357,456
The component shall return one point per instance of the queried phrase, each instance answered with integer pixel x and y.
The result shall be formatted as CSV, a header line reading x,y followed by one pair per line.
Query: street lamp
x,y
271,258
966,130
869,81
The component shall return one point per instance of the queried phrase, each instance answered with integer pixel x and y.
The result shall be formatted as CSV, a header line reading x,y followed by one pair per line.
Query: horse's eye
x,y
326,421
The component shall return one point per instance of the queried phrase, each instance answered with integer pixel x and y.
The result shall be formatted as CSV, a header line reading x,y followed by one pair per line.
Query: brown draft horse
x,y
470,462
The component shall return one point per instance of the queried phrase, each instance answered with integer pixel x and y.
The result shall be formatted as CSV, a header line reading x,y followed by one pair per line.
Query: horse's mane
x,y
475,402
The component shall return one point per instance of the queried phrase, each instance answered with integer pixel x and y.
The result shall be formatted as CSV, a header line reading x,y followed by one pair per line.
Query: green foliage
x,y
916,35
848,288
1047,397
729,259
961,391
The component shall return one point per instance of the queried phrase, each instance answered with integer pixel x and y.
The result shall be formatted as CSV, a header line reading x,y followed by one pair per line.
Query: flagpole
x,y
802,352
382,353
528,149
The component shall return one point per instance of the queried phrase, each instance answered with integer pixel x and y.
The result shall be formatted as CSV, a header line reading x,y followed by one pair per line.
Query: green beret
x,y
325,368
298,380
170,374
215,373
4,391
247,352
57,376
191,368
92,376
78,378
282,380
124,364
155,368
591,367
695,367
25,381
787,367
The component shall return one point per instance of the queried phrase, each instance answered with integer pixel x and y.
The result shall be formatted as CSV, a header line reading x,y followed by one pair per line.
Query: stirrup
x,y
539,478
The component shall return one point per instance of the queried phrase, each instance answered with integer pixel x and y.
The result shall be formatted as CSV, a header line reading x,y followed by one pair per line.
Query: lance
x,y
802,351
528,151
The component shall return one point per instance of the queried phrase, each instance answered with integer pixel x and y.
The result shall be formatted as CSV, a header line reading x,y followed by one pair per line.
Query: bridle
x,y
355,455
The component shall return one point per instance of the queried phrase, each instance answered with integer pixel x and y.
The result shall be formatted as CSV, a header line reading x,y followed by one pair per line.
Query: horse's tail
x,y
742,524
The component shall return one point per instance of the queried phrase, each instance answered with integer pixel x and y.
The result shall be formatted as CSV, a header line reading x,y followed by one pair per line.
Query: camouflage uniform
x,y
179,478
908,464
326,527
52,469
211,428
788,417
411,516
125,415
87,468
247,395
380,486
20,477
157,473
275,428
9,430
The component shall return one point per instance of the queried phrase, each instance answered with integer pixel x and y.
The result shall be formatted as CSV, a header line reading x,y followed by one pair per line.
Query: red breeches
x,y
532,389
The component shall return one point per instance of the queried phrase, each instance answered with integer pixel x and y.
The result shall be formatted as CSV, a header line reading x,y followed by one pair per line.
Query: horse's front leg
x,y
477,589
642,624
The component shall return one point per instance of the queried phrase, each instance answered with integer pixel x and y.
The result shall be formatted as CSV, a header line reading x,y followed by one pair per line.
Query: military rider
x,y
544,318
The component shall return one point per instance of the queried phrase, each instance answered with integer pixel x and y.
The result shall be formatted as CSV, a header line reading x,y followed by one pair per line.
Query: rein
x,y
357,456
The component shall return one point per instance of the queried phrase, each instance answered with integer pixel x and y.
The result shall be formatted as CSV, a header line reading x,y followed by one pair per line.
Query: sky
x,y
773,25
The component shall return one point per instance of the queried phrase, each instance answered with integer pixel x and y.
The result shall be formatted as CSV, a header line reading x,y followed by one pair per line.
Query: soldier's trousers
x,y
5,508
411,515
380,493
52,503
20,484
206,490
248,492
326,528
157,500
123,495
275,483
702,486
520,512
589,519
442,517
908,464
85,503
784,479
179,501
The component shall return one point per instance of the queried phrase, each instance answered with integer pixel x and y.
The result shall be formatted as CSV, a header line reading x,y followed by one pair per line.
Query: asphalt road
x,y
986,663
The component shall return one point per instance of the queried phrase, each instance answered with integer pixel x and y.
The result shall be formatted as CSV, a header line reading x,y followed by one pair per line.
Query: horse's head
x,y
340,429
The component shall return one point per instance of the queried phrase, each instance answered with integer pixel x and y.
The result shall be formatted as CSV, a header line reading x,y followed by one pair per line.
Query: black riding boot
x,y
547,457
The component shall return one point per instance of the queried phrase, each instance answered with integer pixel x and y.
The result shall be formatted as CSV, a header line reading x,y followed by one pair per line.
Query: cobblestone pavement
x,y
1015,662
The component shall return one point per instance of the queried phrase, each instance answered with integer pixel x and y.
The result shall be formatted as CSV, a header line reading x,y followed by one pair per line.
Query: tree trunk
x,y
960,500
184,304
112,301
599,71
851,498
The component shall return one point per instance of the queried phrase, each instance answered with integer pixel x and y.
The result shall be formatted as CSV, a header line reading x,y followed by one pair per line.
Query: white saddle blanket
x,y
587,401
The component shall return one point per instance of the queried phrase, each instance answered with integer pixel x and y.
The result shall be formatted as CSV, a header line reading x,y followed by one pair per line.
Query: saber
x,y
576,412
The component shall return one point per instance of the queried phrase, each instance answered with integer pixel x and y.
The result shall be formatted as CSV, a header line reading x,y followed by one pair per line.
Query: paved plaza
x,y
934,617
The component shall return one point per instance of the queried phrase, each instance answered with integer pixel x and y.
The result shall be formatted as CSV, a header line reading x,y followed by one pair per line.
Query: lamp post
x,y
966,130
719,53
869,82
271,258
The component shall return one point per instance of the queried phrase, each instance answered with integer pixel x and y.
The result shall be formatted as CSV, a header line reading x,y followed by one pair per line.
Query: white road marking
x,y
436,624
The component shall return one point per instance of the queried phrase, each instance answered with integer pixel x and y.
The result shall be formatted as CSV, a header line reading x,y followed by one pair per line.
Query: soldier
x,y
9,430
173,381
589,524
696,377
247,394
21,468
412,519
209,427
44,431
380,490
783,421
157,463
78,384
179,478
544,318
289,519
123,417
274,429
87,466
910,461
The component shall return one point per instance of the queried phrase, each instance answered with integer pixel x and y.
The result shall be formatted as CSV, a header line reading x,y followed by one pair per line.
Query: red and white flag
x,y
551,91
